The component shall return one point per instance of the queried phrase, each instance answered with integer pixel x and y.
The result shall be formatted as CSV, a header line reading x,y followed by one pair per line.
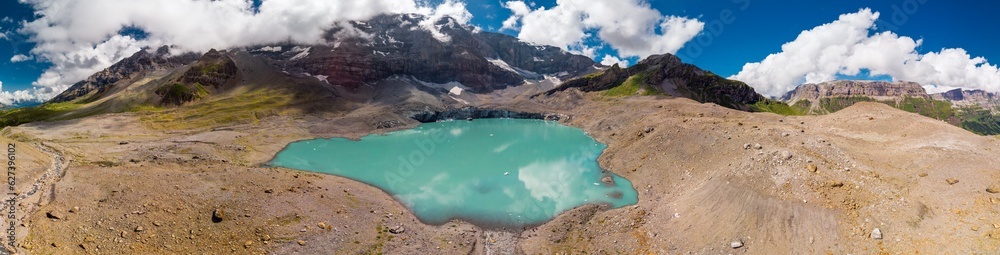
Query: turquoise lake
x,y
491,172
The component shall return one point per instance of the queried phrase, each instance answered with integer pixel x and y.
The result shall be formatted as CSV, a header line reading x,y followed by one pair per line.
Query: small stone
x,y
812,168
122,143
951,181
648,129
786,155
139,229
746,146
736,244
247,244
74,209
157,223
269,191
922,174
876,234
975,228
993,189
302,243
218,215
124,234
54,215
608,180
323,225
758,146
836,184
397,229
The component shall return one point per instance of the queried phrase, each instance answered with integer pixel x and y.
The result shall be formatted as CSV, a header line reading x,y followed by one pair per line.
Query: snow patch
x,y
524,73
303,52
270,48
536,59
455,91
321,78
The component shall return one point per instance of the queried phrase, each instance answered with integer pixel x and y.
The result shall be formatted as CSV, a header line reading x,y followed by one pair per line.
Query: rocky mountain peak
x,y
667,74
132,67
360,53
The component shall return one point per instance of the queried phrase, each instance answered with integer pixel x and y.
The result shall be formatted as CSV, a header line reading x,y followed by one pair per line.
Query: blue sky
x,y
759,28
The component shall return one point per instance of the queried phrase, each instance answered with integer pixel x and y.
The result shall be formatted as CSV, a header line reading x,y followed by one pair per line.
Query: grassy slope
x,y
976,120
632,86
242,107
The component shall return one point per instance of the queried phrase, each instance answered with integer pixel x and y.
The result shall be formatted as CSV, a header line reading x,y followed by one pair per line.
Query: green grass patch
x,y
44,112
834,104
634,85
243,108
978,120
777,107
928,107
594,75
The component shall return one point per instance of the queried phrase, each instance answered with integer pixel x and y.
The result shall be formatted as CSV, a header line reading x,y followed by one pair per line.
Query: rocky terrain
x,y
971,98
113,167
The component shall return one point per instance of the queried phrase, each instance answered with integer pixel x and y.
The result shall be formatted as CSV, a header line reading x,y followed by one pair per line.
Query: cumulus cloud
x,y
20,57
81,37
609,60
847,46
631,27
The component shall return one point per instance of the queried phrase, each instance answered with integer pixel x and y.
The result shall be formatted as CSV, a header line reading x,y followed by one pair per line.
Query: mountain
x,y
666,74
397,45
135,66
971,98
389,59
975,110
873,89
406,61
835,95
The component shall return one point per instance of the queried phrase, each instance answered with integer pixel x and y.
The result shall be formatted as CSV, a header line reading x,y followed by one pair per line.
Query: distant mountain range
x,y
975,110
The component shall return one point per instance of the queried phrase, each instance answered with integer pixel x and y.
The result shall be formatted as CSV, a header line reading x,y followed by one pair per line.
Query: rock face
x,y
669,75
362,53
213,72
135,66
874,89
479,113
971,98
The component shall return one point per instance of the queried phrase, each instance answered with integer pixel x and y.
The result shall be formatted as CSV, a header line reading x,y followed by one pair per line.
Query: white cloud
x,y
847,46
631,27
609,60
27,95
81,37
20,57
450,8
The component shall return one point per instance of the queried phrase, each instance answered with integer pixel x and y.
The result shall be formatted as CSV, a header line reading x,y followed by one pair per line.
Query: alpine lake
x,y
509,173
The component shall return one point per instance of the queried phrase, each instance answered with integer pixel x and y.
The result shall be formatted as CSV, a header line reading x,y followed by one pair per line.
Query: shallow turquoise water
x,y
492,172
